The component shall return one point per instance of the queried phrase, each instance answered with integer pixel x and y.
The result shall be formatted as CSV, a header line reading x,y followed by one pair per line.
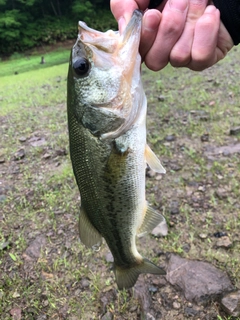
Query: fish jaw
x,y
112,84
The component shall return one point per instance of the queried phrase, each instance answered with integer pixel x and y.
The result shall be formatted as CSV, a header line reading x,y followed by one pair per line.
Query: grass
x,y
31,62
64,280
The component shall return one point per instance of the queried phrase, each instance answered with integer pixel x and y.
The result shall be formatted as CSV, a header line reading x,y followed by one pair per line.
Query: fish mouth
x,y
129,49
119,53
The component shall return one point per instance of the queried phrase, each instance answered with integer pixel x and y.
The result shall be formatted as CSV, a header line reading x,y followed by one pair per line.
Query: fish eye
x,y
81,66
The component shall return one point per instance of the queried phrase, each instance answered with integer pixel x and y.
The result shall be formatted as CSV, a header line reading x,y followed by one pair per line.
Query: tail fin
x,y
127,277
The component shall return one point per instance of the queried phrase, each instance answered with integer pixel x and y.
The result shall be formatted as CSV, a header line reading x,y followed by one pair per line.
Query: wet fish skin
x,y
107,134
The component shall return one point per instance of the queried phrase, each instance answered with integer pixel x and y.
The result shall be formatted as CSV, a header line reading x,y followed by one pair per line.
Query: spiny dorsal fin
x,y
127,277
153,161
151,219
89,235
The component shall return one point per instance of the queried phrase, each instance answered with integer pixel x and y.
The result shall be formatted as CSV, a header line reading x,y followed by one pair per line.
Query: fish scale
x,y
107,135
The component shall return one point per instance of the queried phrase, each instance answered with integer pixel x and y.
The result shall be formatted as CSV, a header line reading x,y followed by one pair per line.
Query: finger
x,y
181,52
170,28
123,9
225,42
204,53
151,20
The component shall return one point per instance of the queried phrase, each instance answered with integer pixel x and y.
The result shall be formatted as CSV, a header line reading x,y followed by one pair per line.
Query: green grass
x,y
31,89
31,62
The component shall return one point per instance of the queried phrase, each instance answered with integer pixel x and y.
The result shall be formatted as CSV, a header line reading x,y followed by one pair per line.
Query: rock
x,y
231,303
20,154
205,137
174,207
16,313
221,193
109,257
2,160
4,245
34,249
235,131
170,138
176,305
150,173
224,242
46,156
153,289
190,312
142,294
107,316
84,283
220,234
229,149
149,316
37,141
22,139
107,298
160,230
203,235
161,98
61,152
199,281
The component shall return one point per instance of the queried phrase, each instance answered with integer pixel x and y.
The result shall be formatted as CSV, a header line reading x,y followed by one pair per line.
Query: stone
x,y
190,312
176,305
235,131
107,316
153,289
141,293
22,139
20,154
109,257
219,234
199,281
161,230
170,138
221,193
161,98
34,249
16,313
174,207
85,283
149,317
205,137
202,235
224,242
231,303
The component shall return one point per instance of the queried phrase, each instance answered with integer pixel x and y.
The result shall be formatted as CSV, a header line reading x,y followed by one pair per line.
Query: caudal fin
x,y
127,277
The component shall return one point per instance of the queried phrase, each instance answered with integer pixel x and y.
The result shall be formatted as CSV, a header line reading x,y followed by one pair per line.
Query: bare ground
x,y
45,272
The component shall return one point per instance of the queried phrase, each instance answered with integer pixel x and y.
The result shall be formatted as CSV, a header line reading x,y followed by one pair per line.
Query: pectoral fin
x,y
153,161
151,219
89,235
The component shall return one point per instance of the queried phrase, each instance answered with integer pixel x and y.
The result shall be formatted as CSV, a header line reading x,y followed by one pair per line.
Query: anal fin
x,y
89,235
153,161
151,219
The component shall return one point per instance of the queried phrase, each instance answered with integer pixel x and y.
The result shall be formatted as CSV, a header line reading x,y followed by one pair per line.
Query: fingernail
x,y
179,5
210,9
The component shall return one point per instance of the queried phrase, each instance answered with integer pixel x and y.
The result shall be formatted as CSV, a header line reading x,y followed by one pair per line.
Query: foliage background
x,y
25,24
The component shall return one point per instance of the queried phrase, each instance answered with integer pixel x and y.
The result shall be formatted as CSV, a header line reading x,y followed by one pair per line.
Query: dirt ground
x,y
46,273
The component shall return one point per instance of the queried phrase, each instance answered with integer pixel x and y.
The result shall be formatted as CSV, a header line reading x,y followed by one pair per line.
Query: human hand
x,y
187,33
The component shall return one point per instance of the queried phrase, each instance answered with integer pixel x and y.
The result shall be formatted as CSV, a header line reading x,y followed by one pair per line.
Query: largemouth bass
x,y
107,131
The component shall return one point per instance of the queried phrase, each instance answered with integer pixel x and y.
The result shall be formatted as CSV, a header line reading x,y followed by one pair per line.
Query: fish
x,y
106,107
